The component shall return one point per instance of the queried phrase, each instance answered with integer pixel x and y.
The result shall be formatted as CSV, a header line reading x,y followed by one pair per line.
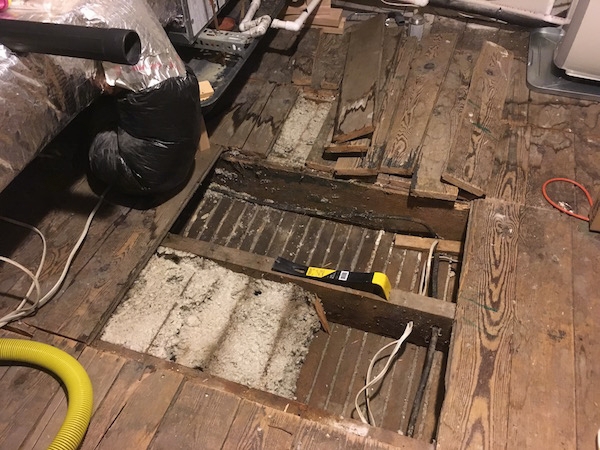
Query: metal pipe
x,y
105,44
416,408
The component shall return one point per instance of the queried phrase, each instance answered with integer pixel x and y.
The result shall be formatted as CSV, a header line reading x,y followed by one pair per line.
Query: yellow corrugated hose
x,y
72,374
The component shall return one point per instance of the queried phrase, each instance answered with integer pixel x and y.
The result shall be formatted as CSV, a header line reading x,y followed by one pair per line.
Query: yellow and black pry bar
x,y
374,282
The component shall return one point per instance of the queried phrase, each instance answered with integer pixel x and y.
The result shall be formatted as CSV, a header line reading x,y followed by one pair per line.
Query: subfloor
x,y
523,360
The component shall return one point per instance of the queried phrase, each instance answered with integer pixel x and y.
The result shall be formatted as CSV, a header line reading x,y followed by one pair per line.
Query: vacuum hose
x,y
72,374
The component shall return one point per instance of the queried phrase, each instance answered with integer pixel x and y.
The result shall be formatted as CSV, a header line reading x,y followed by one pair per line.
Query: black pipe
x,y
104,44
416,408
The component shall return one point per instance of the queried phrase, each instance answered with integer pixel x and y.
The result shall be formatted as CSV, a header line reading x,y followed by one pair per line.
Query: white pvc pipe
x,y
297,24
257,27
249,15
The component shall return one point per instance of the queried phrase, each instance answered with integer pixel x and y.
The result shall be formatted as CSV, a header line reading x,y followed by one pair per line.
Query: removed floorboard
x,y
330,59
481,128
359,85
428,70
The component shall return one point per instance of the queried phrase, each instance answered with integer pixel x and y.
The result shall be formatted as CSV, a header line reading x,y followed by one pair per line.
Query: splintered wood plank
x,y
481,129
138,420
395,65
354,147
542,336
236,124
356,107
316,159
198,418
268,125
441,130
304,58
476,408
329,61
428,69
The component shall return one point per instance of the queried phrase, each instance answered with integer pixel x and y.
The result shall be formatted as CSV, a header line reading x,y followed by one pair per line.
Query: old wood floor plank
x,y
138,420
356,107
199,417
304,57
268,124
540,415
441,130
329,62
476,408
481,129
395,64
405,135
236,124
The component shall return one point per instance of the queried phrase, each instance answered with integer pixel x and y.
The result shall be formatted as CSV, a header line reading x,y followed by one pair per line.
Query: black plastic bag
x,y
149,145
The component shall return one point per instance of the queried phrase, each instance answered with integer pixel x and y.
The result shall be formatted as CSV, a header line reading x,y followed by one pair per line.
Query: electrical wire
x,y
426,274
21,311
371,381
42,259
560,207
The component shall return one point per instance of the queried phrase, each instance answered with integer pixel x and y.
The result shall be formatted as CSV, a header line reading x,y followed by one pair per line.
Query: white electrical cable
x,y
42,259
426,274
370,382
28,272
21,312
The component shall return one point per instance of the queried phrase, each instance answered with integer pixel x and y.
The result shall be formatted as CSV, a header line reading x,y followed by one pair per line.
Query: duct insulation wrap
x,y
148,139
158,60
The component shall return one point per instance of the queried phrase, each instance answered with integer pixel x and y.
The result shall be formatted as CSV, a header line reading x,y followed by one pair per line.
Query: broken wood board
x,y
405,135
356,107
441,130
357,309
355,147
271,119
424,244
329,62
395,64
481,128
236,124
393,182
304,58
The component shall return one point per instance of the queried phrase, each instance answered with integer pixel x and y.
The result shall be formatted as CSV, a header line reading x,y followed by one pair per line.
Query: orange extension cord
x,y
560,208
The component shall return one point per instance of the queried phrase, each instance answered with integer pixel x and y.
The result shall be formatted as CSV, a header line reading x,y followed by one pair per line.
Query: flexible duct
x,y
72,374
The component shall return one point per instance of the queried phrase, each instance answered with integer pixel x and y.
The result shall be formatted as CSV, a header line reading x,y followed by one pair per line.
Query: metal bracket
x,y
223,41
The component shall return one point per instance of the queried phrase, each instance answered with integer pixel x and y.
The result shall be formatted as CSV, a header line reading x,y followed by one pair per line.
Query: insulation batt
x,y
150,147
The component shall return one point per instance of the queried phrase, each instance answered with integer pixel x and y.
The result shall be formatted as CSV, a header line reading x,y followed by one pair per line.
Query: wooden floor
x,y
523,360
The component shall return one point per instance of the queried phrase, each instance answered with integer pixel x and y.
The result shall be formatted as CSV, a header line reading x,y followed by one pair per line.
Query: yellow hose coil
x,y
74,377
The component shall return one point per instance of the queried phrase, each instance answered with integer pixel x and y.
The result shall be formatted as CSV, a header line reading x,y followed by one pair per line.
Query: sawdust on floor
x,y
192,311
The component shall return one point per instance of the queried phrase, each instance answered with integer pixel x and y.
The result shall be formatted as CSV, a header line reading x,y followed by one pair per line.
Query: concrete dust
x,y
192,311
